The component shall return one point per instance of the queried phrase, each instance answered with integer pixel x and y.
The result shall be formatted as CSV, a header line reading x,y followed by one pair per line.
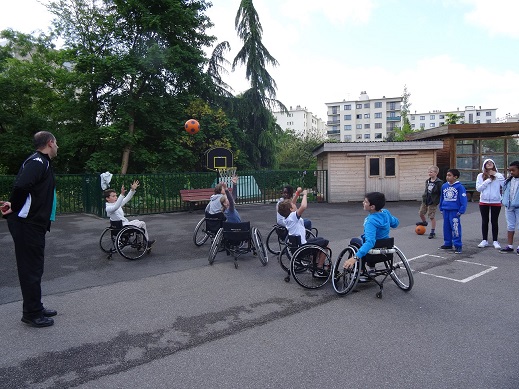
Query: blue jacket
x,y
376,226
453,198
506,201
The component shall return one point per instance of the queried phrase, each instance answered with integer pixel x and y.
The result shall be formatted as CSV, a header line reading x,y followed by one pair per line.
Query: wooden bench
x,y
196,196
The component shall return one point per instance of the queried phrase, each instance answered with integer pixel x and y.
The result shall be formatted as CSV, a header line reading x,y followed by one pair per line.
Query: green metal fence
x,y
160,193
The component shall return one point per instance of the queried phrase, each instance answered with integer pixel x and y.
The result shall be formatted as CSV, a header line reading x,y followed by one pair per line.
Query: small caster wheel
x,y
287,279
379,295
236,265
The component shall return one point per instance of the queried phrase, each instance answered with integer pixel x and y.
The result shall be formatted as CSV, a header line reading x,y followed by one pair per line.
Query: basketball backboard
x,y
219,158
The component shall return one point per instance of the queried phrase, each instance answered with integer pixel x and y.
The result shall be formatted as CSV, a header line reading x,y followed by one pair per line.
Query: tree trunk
x,y
128,148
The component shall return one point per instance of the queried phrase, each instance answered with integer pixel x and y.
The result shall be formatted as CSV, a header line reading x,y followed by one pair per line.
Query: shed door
x,y
382,176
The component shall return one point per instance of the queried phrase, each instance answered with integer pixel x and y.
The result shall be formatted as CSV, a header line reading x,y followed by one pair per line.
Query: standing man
x,y
29,213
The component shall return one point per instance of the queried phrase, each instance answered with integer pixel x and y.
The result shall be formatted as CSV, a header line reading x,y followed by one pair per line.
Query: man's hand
x,y
5,207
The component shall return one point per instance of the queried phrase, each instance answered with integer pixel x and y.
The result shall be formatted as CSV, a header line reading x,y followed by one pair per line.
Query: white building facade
x,y
437,118
301,121
363,120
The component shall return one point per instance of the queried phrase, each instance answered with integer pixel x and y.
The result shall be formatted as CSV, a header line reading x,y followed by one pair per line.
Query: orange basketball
x,y
192,126
420,230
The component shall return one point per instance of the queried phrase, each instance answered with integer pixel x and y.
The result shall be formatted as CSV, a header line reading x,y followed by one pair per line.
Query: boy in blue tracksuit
x,y
453,204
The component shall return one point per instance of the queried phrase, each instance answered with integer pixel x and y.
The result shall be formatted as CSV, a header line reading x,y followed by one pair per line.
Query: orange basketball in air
x,y
192,126
420,230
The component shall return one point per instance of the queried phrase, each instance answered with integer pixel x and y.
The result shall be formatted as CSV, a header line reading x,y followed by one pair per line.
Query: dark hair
x,y
284,207
108,192
218,188
516,164
41,139
455,172
377,199
290,190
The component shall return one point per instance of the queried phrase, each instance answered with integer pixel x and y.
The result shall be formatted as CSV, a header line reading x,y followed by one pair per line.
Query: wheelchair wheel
x,y
200,234
311,233
344,280
215,246
259,246
105,242
401,271
273,242
303,266
284,258
131,243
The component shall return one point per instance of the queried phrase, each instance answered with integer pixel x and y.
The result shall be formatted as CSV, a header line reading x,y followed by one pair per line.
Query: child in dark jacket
x,y
430,200
453,204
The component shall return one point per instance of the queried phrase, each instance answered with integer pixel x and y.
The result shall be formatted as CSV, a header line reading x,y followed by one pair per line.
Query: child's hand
x,y
305,192
299,189
123,190
135,185
5,207
234,179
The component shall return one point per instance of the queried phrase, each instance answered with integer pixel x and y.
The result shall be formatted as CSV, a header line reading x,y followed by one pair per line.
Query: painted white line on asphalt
x,y
490,268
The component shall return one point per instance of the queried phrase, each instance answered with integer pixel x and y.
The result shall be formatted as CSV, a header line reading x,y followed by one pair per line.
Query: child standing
x,y
453,204
489,183
511,203
430,200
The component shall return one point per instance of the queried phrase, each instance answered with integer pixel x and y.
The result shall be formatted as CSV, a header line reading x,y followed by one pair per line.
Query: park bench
x,y
196,196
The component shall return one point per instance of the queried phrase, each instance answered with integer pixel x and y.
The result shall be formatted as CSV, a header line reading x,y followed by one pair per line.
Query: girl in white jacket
x,y
489,184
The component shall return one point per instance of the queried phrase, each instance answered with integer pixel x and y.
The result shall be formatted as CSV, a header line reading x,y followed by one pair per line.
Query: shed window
x,y
374,167
390,166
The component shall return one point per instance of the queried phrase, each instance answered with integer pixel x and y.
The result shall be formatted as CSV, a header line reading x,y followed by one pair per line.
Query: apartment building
x,y
363,120
437,118
509,118
301,121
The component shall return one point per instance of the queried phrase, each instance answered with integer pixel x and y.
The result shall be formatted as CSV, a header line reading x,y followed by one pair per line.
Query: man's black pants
x,y
29,247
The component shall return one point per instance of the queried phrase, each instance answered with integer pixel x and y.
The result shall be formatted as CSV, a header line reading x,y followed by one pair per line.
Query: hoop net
x,y
226,174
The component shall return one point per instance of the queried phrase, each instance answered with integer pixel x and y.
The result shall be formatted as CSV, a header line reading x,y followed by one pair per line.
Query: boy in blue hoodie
x,y
376,225
453,204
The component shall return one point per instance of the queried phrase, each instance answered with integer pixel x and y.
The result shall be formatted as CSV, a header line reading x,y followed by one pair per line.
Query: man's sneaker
x,y
321,273
445,247
484,243
457,250
506,250
425,224
432,235
497,246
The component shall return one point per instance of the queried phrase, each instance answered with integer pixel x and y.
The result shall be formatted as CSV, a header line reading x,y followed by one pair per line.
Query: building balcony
x,y
333,122
393,118
333,132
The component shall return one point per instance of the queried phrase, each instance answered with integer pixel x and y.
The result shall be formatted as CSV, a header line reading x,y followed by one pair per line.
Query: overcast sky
x,y
449,53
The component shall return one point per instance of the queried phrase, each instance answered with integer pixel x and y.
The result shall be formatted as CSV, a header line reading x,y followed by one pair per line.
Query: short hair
x,y
434,168
514,163
108,192
41,138
377,199
285,207
218,188
289,189
454,172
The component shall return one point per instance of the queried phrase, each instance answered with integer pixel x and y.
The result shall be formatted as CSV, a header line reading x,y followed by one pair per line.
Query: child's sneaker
x,y
484,243
445,247
457,250
517,251
432,235
506,250
422,224
321,273
497,246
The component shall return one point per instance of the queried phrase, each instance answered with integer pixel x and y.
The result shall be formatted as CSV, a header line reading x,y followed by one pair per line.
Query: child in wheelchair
x,y
114,208
376,226
295,225
288,194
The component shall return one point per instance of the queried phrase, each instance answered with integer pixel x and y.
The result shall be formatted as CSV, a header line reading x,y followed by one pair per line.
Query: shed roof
x,y
482,130
373,147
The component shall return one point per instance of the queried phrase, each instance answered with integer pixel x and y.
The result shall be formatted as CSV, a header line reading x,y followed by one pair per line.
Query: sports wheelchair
x,y
237,239
206,229
129,241
278,235
395,265
300,262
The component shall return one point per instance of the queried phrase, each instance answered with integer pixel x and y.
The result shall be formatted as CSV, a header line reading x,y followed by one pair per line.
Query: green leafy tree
x,y
452,118
399,133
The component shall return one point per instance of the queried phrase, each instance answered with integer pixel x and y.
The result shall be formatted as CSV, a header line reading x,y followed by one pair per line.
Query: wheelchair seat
x,y
281,232
213,222
381,252
235,233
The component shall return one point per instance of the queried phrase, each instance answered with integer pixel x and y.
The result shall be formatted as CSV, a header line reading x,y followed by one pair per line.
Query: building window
x,y
347,138
412,117
335,110
347,107
366,126
366,116
489,121
347,127
422,117
359,136
359,116
422,125
412,126
442,124
378,115
378,125
432,125
359,127
347,117
374,166
367,136
358,106
477,113
366,105
432,117
378,135
378,104
488,113
441,116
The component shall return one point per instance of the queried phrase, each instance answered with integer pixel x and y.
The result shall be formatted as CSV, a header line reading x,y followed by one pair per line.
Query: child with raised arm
x,y
288,194
229,202
115,204
294,223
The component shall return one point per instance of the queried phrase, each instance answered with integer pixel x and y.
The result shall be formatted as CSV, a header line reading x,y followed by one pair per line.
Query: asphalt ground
x,y
171,320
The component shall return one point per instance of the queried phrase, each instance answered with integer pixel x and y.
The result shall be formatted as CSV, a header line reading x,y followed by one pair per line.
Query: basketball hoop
x,y
226,173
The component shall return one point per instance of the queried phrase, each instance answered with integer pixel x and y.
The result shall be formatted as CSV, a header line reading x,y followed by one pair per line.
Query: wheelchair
x,y
206,229
300,262
237,239
278,235
395,266
129,241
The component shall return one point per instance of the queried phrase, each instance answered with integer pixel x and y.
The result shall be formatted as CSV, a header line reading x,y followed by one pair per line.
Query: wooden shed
x,y
398,169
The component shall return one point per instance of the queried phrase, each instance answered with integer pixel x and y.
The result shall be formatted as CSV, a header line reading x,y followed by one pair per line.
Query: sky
x,y
448,53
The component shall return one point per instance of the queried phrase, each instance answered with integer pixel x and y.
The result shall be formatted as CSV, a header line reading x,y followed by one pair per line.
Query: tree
x,y
399,133
452,118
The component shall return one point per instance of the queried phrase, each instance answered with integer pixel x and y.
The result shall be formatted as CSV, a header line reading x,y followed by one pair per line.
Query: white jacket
x,y
490,190
115,210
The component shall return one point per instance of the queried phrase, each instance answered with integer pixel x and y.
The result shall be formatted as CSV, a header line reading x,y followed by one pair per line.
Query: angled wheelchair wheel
x,y
284,258
273,242
200,234
303,266
131,243
311,233
215,246
259,246
401,271
344,280
105,241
